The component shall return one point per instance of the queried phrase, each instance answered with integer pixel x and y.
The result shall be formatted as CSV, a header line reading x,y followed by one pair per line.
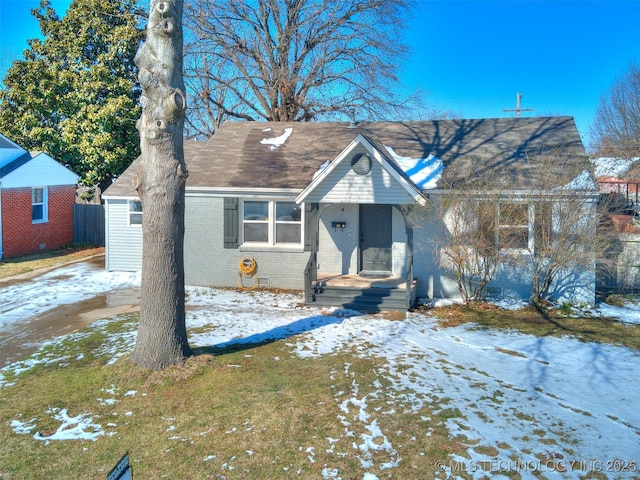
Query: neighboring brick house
x,y
37,195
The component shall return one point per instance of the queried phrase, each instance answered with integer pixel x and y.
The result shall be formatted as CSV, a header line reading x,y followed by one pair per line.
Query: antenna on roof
x,y
518,109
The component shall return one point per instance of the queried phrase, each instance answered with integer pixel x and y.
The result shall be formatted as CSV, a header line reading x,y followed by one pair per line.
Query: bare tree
x,y
293,60
469,247
616,128
160,182
571,234
548,235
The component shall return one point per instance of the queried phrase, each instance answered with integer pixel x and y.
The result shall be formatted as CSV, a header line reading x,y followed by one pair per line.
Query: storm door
x,y
375,238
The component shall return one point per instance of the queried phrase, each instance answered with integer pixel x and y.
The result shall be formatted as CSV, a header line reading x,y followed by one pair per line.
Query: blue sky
x,y
473,57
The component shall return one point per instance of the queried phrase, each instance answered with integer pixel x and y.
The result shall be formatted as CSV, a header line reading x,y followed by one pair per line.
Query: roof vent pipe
x,y
352,116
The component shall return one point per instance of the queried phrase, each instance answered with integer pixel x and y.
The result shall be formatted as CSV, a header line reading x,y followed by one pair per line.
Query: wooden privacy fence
x,y
88,224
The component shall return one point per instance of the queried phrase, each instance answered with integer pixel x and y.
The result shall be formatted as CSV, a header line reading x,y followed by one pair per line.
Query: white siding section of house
x,y
208,263
123,242
434,280
399,245
40,171
343,185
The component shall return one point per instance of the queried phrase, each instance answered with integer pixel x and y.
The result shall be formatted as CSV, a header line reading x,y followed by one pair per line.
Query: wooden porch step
x,y
366,300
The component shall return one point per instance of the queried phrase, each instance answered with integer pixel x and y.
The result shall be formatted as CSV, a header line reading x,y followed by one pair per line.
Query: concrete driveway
x,y
42,305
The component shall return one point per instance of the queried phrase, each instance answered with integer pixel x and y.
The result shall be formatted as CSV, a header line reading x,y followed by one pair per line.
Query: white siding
x,y
40,171
123,242
399,246
343,185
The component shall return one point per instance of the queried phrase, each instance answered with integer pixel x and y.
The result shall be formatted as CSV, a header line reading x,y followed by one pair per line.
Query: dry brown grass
x,y
542,322
32,263
258,413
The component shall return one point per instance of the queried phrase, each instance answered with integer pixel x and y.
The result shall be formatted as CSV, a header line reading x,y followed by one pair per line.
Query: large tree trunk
x,y
162,336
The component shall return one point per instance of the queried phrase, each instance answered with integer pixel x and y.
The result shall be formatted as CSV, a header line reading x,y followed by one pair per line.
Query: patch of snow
x,y
630,313
24,428
82,281
80,427
277,142
321,169
424,172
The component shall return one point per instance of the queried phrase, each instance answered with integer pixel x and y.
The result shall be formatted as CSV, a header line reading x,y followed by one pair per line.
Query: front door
x,y
375,238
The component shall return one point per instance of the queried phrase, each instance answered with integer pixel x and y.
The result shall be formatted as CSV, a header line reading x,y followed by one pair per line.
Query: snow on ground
x,y
630,313
63,286
520,396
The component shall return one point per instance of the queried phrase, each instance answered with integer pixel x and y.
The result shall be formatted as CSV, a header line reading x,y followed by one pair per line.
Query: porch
x,y
364,293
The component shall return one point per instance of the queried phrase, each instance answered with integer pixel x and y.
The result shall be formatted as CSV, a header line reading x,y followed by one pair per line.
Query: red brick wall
x,y
20,236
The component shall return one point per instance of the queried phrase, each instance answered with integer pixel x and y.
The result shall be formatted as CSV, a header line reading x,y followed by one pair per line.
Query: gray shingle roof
x,y
14,164
501,148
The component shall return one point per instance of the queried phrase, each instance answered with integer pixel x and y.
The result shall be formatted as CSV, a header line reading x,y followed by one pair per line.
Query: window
x,y
38,205
256,222
271,223
135,212
288,223
514,227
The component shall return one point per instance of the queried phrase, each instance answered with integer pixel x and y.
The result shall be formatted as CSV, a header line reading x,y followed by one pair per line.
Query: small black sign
x,y
122,470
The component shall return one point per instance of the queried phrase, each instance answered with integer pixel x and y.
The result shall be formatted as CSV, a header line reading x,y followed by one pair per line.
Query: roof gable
x,y
353,186
41,170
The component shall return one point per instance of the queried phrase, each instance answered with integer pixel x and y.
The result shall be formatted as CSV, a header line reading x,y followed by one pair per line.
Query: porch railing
x,y
409,289
310,276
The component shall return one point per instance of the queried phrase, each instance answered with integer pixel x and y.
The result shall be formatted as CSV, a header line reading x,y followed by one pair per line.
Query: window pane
x,y
135,212
517,238
256,232
37,212
288,233
256,210
287,211
135,206
514,214
37,195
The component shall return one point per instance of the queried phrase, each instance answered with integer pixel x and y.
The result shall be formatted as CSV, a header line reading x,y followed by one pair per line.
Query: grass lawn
x,y
255,413
248,412
17,266
263,411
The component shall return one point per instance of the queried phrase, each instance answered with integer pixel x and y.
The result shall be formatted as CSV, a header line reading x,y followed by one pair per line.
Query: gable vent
x,y
361,163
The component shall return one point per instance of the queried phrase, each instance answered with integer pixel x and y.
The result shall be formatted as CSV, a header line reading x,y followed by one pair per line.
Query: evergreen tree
x,y
74,94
